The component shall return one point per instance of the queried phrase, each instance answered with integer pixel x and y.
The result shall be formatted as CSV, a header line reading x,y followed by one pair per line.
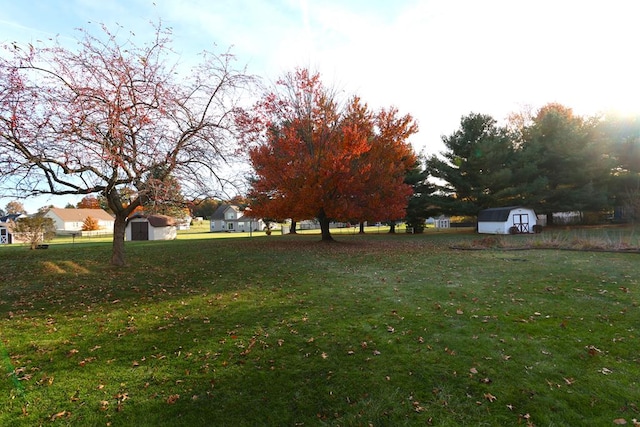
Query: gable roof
x,y
156,220
496,214
161,221
79,215
219,213
9,217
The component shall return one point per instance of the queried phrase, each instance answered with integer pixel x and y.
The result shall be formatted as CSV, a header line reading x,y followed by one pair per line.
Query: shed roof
x,y
496,214
9,217
161,221
157,220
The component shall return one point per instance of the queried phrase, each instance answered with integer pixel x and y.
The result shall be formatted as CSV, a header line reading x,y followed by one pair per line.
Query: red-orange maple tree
x,y
315,159
89,202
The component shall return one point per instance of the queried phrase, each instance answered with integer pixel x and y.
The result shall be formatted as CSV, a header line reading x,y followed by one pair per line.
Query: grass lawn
x,y
377,329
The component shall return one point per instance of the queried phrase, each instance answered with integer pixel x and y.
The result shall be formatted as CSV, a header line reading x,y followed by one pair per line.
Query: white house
x,y
69,221
151,227
507,220
230,218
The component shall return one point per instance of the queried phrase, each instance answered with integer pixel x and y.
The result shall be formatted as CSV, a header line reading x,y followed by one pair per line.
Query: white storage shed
x,y
151,227
507,220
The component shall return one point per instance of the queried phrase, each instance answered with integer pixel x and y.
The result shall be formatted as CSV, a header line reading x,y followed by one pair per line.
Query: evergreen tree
x,y
420,206
475,169
623,136
560,165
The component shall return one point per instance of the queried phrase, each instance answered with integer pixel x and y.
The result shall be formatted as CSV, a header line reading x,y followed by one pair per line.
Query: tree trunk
x,y
292,230
324,226
361,228
549,219
392,228
119,225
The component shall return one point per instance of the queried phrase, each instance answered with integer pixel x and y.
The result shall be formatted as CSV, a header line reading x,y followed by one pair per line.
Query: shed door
x,y
139,231
5,238
521,222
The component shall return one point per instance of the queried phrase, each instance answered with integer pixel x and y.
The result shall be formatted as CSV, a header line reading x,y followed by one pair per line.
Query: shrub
x,y
90,224
34,230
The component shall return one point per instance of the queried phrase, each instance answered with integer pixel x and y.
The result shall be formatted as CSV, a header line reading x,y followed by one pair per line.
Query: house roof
x,y
79,215
219,213
496,214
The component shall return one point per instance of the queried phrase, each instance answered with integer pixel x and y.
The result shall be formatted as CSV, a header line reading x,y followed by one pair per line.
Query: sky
x,y
437,60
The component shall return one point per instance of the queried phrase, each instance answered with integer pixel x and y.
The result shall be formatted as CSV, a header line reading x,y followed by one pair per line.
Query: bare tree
x,y
104,118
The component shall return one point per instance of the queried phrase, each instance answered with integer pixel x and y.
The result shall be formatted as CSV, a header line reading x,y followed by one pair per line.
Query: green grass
x,y
376,330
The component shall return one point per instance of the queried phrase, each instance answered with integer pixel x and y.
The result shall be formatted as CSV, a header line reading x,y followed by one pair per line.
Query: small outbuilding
x,y
151,227
6,230
508,220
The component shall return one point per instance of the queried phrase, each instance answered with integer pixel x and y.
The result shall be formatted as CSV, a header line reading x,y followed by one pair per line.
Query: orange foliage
x,y
89,202
90,224
314,160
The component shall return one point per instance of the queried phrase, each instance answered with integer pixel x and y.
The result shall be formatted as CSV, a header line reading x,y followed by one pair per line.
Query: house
x,y
508,220
183,223
230,218
69,221
6,235
151,227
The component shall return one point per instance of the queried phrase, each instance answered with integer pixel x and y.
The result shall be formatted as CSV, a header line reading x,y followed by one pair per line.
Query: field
x,y
443,329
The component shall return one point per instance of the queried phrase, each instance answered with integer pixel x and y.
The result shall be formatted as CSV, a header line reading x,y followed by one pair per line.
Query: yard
x,y
376,329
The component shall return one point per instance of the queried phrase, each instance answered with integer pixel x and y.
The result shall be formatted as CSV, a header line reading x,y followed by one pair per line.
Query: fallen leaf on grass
x,y
60,415
87,360
593,350
417,407
620,421
490,397
173,399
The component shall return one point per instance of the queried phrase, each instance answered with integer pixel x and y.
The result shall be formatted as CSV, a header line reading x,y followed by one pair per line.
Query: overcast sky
x,y
437,60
